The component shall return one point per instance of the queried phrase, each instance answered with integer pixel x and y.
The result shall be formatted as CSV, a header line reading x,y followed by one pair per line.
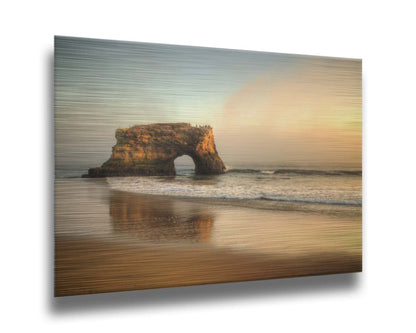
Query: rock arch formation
x,y
149,150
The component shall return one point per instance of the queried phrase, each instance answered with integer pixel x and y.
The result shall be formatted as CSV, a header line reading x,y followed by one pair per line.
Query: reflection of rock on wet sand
x,y
159,219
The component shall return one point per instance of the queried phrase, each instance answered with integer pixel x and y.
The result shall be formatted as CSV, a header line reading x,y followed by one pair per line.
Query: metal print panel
x,y
178,165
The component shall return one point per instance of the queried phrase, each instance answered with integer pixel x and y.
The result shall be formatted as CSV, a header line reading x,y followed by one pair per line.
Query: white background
x,y
379,299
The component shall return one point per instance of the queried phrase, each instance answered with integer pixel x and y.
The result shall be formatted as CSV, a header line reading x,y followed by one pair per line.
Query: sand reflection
x,y
161,220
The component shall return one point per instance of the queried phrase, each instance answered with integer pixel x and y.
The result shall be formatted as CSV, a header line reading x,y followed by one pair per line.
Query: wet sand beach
x,y
108,240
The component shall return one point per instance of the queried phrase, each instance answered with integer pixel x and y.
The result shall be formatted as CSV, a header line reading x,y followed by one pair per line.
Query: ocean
x,y
320,186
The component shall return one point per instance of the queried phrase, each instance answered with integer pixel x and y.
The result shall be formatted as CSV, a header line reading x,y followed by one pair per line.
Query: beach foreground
x,y
108,240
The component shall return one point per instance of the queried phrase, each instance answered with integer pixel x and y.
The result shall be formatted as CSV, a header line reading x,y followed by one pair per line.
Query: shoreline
x,y
352,210
266,205
273,205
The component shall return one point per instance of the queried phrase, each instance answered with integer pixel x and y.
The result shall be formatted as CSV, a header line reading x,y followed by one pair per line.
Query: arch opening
x,y
184,165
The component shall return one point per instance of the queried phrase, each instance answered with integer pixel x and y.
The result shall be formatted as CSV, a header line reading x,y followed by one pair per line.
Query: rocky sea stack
x,y
150,150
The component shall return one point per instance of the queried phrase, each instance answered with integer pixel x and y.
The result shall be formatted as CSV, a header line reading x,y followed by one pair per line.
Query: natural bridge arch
x,y
149,150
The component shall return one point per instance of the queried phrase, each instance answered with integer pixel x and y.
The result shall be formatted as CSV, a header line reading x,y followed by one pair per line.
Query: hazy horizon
x,y
266,109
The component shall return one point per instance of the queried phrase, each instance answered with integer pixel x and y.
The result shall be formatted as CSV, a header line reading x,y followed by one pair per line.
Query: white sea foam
x,y
324,187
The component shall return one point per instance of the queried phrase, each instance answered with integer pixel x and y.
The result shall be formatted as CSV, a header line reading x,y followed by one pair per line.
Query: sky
x,y
266,109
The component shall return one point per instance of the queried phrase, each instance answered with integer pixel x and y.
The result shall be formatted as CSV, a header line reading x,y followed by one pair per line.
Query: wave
x,y
228,193
305,172
243,171
315,201
252,184
245,198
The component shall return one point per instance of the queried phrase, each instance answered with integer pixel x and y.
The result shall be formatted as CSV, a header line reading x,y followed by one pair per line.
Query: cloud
x,y
310,113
